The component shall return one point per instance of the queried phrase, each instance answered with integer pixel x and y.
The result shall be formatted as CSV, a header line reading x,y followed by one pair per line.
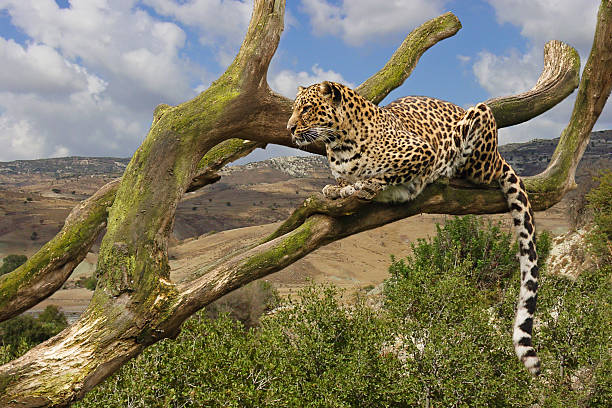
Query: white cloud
x,y
540,21
464,59
215,18
543,20
88,77
220,23
361,21
40,68
507,74
287,81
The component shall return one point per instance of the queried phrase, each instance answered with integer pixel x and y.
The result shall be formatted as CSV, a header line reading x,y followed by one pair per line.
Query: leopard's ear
x,y
325,88
329,90
301,89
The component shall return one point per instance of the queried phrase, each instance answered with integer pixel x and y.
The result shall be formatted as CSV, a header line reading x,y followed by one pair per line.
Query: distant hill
x,y
66,166
527,158
532,157
37,195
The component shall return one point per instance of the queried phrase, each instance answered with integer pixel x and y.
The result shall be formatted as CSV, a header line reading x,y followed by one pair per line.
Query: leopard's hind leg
x,y
480,161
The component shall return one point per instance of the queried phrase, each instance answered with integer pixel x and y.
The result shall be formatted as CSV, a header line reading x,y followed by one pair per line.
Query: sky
x,y
82,77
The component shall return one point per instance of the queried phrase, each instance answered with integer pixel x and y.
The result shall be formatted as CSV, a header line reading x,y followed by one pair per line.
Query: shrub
x,y
441,338
600,202
12,262
20,333
246,304
314,352
87,282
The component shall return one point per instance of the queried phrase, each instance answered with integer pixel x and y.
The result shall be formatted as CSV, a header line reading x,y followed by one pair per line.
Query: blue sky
x,y
82,77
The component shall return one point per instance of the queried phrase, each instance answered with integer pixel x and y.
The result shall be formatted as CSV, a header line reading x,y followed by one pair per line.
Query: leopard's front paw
x,y
367,189
347,191
332,192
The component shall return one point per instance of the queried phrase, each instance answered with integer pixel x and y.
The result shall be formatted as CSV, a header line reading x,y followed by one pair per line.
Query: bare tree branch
x,y
405,58
595,85
555,83
47,270
559,78
270,123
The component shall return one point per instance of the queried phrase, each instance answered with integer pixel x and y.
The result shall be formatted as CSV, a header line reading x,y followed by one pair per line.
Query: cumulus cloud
x,y
540,21
543,20
360,21
88,77
40,68
286,82
507,74
220,23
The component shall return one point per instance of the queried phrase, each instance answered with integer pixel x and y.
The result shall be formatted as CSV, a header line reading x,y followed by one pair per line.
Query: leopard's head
x,y
316,114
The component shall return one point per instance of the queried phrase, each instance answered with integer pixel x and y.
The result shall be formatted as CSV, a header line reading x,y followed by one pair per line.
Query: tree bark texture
x,y
136,304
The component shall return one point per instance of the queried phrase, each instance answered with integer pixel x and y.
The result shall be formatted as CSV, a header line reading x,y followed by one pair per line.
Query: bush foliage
x,y
12,262
442,337
20,333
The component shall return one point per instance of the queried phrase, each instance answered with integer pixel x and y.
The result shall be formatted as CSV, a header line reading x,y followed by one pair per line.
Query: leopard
x,y
391,153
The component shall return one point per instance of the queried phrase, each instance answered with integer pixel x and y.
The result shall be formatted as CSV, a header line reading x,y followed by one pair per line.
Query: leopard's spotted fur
x,y
393,152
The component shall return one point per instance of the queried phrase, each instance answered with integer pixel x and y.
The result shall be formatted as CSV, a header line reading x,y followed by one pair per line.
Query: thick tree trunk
x,y
136,304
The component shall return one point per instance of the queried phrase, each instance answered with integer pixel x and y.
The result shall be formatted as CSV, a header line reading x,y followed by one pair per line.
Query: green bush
x,y
246,304
20,333
600,202
12,262
87,282
442,337
314,352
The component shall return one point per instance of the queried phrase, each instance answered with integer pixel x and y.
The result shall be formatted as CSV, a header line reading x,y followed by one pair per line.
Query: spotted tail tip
x,y
532,363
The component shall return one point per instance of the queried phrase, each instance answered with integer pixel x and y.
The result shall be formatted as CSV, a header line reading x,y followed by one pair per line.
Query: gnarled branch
x,y
558,79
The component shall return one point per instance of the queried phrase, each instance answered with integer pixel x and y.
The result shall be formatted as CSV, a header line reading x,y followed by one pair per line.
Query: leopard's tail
x,y
524,225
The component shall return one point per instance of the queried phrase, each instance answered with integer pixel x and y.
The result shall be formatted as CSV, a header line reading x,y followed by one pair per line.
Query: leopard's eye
x,y
306,108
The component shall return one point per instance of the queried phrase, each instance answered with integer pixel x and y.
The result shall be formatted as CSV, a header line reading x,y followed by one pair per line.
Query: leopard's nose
x,y
291,128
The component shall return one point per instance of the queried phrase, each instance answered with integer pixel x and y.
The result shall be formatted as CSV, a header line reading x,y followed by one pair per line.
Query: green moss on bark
x,y
289,246
403,61
221,151
64,247
140,218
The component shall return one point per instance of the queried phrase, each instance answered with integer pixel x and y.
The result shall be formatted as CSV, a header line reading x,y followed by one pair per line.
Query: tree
x,y
136,304
12,262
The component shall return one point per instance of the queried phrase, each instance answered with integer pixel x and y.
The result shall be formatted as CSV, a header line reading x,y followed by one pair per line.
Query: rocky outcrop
x,y
532,157
569,253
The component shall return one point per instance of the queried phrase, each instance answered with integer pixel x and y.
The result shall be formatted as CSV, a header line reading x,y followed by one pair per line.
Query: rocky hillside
x,y
63,167
533,157
36,195
527,158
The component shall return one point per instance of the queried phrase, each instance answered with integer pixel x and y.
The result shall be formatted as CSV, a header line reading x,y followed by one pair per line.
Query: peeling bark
x,y
136,304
